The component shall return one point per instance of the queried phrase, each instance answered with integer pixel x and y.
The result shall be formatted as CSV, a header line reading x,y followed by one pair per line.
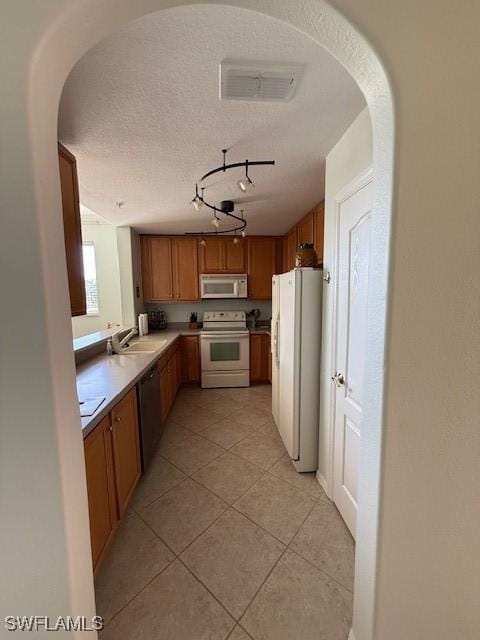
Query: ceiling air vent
x,y
256,81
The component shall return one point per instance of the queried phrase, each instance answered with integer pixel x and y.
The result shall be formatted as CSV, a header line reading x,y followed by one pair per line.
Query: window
x,y
90,271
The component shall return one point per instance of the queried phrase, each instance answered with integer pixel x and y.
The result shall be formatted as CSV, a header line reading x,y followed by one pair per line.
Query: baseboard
x,y
351,635
322,481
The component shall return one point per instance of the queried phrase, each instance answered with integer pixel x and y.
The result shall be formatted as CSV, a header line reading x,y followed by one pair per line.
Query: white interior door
x,y
353,255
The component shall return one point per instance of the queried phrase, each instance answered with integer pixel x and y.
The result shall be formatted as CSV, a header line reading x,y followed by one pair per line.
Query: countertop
x,y
113,376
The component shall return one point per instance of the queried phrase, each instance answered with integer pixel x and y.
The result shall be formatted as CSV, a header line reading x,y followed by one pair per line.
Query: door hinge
x,y
326,277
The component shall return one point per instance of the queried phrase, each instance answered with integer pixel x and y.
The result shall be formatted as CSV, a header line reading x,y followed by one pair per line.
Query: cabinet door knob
x,y
118,419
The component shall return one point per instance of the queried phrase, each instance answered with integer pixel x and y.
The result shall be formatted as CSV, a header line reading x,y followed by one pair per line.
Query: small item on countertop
x,y
306,255
88,406
253,317
157,319
109,347
194,324
143,324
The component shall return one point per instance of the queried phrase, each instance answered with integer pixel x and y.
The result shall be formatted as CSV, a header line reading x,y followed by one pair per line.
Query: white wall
x,y
128,245
352,155
104,238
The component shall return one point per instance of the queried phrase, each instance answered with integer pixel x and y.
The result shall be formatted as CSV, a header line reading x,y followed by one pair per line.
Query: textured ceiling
x,y
141,113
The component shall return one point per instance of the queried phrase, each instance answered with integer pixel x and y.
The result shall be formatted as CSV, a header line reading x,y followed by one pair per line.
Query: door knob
x,y
339,379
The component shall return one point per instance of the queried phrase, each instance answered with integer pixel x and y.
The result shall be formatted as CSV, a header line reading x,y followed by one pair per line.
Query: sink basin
x,y
144,346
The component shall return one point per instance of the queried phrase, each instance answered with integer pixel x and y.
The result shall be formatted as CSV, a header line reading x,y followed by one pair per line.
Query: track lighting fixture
x,y
226,207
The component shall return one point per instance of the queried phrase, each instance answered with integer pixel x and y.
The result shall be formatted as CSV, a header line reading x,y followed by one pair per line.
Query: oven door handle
x,y
231,334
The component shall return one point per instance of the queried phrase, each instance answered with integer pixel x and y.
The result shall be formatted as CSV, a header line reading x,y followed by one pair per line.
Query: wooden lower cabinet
x,y
259,362
190,347
112,462
102,507
126,448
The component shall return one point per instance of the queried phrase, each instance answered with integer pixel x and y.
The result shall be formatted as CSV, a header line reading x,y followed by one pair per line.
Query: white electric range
x,y
225,349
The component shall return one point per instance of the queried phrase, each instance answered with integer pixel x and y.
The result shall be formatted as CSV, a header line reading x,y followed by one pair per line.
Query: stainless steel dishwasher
x,y
148,390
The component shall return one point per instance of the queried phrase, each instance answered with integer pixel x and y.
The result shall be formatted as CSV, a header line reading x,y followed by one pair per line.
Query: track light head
x,y
245,184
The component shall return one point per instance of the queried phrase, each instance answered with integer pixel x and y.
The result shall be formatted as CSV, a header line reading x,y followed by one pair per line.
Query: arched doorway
x,y
85,26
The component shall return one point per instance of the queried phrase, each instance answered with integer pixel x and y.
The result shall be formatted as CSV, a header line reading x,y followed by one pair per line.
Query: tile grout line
x,y
140,591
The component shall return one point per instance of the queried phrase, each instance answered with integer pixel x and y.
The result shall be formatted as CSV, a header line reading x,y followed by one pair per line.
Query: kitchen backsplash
x,y
180,311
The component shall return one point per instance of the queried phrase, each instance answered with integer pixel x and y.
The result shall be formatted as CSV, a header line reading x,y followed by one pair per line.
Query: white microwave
x,y
222,285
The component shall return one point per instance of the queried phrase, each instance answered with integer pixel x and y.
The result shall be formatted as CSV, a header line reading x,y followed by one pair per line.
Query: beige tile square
x,y
325,541
270,429
192,454
252,416
307,482
226,432
199,419
299,601
228,476
160,477
259,449
135,557
175,606
173,433
276,506
232,558
183,513
225,406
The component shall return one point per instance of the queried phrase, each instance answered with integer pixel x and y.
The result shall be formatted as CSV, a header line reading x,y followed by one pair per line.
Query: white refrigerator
x,y
296,343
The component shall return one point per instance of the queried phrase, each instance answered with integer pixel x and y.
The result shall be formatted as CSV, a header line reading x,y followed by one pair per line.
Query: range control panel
x,y
224,316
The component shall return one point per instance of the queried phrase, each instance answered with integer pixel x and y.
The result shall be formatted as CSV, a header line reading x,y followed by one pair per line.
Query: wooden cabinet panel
x,y
210,255
72,230
261,266
221,255
234,256
157,273
305,230
185,268
319,216
102,507
259,349
164,393
190,359
126,448
292,246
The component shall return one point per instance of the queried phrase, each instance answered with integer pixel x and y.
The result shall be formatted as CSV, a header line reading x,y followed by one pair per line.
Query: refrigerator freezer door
x,y
288,363
275,344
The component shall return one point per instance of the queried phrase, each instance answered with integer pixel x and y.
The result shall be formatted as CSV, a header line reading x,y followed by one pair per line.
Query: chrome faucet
x,y
117,344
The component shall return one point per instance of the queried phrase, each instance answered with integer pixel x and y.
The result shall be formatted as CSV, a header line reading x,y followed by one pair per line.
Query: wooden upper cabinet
x,y
319,217
169,268
221,255
210,255
156,268
126,448
72,230
102,506
305,229
292,246
234,256
261,266
185,268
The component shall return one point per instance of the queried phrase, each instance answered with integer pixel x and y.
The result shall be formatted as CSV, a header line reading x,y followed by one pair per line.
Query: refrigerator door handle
x,y
276,341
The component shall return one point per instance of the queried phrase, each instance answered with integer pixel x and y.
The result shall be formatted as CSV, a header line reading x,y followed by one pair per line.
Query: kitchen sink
x,y
144,346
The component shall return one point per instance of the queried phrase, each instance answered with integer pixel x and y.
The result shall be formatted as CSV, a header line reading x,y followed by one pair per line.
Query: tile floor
x,y
223,539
